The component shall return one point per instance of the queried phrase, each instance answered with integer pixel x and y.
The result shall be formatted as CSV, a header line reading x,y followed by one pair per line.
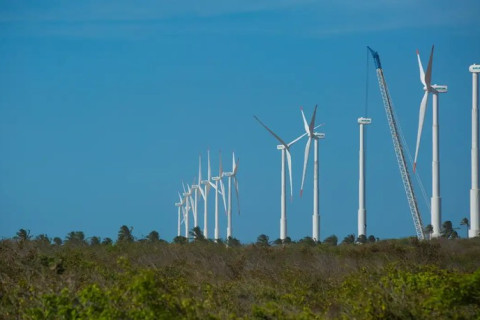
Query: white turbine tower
x,y
362,212
285,148
215,185
231,175
196,188
474,229
310,131
205,193
426,78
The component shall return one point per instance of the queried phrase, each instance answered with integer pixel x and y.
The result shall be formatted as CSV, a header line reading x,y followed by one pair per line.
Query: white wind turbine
x,y
310,131
426,78
205,192
231,175
285,148
474,191
215,185
197,187
181,210
187,196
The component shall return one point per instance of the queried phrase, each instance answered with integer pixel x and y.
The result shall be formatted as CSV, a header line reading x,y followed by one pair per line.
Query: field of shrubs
x,y
154,279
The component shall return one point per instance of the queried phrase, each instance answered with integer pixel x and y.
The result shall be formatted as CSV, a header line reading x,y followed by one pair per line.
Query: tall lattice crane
x,y
397,146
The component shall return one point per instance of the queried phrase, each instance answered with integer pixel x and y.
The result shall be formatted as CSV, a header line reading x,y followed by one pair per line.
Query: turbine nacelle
x,y
438,88
318,135
474,68
363,120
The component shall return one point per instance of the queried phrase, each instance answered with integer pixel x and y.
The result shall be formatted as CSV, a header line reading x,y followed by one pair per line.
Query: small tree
x,y
95,241
349,239
361,239
57,241
23,235
42,238
233,242
125,234
371,238
429,230
75,238
465,223
262,241
197,234
107,241
331,240
153,237
308,241
180,240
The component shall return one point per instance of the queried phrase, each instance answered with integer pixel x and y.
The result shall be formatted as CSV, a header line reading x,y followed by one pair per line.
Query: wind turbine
x,y
197,187
426,78
285,148
179,205
218,179
474,230
362,212
187,195
204,193
310,131
231,175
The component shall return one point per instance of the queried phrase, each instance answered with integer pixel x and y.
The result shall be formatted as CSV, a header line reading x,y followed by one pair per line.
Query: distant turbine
x,y
309,130
179,205
474,230
285,148
426,78
217,191
231,175
197,187
362,212
187,195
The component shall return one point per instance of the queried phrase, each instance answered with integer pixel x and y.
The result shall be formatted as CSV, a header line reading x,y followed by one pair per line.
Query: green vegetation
x,y
151,279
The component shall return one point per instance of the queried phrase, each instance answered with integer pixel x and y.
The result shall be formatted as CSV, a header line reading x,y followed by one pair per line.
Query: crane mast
x,y
397,146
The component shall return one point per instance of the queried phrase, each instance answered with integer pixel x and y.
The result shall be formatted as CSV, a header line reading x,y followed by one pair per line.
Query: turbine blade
x,y
235,169
289,163
428,75
296,140
305,124
273,133
183,185
235,182
305,161
421,118
312,122
422,73
233,161
222,188
220,169
199,169
209,171
212,184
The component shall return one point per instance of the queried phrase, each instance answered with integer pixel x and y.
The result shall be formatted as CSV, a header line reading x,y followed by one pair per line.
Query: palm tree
x,y
153,236
75,237
107,241
57,241
94,241
429,231
332,240
42,238
262,240
23,235
465,223
125,234
197,234
349,239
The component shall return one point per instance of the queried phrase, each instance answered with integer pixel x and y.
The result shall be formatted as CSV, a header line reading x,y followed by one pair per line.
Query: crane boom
x,y
397,146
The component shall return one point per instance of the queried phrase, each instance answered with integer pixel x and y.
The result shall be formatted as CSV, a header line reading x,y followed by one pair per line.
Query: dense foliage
x,y
153,279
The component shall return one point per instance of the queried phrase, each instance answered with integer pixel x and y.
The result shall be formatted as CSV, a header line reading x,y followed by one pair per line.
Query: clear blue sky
x,y
105,106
